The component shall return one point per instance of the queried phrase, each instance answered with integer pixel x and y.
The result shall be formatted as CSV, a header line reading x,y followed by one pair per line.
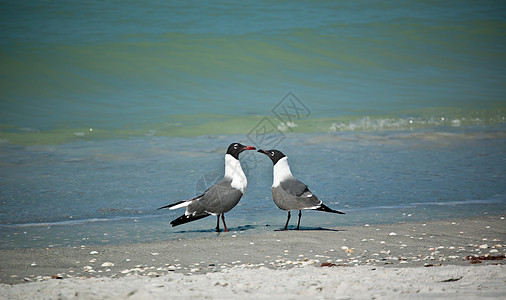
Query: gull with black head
x,y
289,193
221,197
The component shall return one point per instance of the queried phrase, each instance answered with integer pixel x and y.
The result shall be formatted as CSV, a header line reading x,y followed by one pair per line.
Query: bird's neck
x,y
281,172
234,172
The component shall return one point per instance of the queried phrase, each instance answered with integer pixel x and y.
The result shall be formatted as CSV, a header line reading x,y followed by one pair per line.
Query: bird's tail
x,y
180,204
187,218
172,205
325,208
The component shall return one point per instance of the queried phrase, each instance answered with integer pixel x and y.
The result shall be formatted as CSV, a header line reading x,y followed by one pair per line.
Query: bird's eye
x,y
272,153
235,146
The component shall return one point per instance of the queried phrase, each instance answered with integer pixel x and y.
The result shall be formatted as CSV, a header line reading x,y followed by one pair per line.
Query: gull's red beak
x,y
249,148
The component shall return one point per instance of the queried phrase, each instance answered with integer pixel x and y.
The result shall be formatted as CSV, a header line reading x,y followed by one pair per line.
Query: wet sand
x,y
450,258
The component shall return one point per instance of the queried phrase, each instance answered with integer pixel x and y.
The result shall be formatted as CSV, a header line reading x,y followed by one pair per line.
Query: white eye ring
x,y
272,153
235,146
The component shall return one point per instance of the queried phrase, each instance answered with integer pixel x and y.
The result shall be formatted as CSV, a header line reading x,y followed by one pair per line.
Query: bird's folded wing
x,y
295,187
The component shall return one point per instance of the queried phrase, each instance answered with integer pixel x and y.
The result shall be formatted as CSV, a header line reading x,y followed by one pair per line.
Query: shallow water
x,y
108,191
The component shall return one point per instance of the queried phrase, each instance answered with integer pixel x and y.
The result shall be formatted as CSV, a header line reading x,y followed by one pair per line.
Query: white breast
x,y
233,171
281,171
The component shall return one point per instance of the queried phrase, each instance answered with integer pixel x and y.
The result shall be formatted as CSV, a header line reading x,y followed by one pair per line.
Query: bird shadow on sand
x,y
213,230
310,229
253,227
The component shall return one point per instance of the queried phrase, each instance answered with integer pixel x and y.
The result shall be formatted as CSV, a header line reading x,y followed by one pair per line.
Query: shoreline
x,y
433,247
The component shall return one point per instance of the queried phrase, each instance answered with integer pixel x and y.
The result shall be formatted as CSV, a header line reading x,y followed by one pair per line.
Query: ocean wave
x,y
368,123
259,126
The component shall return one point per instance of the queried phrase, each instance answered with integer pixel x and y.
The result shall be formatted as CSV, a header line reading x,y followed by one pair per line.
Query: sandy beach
x,y
458,258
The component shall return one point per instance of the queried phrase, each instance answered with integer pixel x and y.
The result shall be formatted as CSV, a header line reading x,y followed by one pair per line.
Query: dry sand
x,y
460,258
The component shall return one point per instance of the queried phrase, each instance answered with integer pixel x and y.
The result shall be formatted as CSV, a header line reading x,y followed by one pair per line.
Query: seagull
x,y
221,197
289,193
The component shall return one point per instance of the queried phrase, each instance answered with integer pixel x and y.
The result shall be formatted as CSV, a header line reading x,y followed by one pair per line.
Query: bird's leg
x,y
300,215
287,220
217,223
223,219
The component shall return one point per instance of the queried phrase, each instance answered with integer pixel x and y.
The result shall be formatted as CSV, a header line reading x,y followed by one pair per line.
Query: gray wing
x,y
294,195
294,187
218,199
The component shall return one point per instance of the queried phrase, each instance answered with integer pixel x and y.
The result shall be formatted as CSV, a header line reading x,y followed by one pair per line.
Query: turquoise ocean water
x,y
390,111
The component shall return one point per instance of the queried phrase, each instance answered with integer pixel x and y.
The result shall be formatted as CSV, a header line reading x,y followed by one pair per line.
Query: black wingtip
x,y
325,208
